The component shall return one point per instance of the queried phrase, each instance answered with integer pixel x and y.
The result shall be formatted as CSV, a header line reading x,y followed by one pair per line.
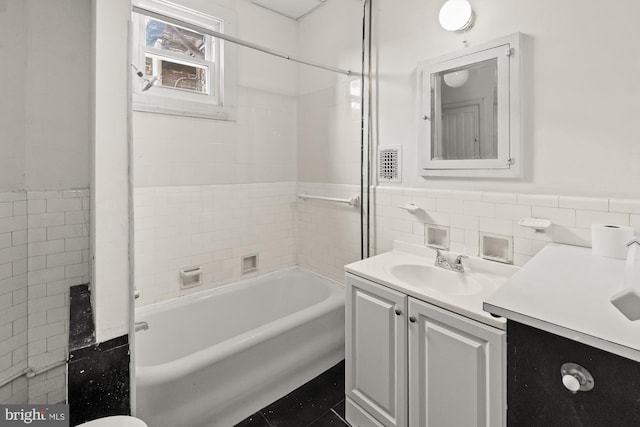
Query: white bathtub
x,y
213,358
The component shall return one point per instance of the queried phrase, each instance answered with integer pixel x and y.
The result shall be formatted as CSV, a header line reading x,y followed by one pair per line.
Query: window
x,y
185,71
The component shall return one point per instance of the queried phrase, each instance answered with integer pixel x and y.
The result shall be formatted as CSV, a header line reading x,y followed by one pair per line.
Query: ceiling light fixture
x,y
456,15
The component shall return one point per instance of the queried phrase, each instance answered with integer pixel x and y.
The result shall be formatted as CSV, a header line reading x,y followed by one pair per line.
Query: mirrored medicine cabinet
x,y
469,112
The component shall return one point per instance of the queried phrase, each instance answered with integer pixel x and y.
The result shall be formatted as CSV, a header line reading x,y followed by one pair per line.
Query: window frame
x,y
211,62
217,104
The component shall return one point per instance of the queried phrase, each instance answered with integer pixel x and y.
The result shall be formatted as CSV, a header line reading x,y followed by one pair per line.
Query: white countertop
x,y
491,274
566,290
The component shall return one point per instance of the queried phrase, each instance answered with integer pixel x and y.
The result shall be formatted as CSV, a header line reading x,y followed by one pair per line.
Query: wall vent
x,y
389,163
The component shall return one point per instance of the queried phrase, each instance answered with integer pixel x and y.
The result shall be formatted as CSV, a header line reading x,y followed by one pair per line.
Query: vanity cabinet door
x,y
376,355
456,370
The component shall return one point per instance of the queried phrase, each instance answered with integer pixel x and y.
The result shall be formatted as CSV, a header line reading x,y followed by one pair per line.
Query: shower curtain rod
x,y
203,30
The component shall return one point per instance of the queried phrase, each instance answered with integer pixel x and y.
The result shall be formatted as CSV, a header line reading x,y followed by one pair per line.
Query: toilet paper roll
x,y
610,240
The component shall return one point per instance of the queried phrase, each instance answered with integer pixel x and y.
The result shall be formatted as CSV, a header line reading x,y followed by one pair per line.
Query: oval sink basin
x,y
438,279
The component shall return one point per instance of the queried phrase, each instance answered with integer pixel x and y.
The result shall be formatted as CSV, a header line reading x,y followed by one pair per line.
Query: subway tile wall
x,y
49,252
13,296
58,258
328,234
212,227
470,213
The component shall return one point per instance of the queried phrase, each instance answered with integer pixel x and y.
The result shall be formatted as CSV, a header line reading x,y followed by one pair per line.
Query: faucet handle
x,y
460,257
439,255
457,264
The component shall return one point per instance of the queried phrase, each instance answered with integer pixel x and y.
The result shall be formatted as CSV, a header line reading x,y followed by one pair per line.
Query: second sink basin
x,y
438,279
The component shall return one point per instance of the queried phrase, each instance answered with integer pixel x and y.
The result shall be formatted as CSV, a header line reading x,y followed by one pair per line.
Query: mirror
x,y
466,100
470,112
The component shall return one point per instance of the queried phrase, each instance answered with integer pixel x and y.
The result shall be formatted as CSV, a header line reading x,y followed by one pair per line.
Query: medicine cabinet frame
x,y
506,51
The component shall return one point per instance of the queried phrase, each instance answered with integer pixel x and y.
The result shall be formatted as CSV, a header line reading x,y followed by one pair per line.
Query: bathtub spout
x,y
141,326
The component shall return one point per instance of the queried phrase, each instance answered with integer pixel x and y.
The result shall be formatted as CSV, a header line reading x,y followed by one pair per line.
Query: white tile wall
x,y
497,213
44,249
58,257
328,234
210,226
329,133
13,295
259,147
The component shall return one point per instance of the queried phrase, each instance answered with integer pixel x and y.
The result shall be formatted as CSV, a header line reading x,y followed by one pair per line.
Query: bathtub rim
x,y
224,288
151,375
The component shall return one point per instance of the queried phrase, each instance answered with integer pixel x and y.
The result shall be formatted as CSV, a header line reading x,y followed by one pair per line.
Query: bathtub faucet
x,y
141,326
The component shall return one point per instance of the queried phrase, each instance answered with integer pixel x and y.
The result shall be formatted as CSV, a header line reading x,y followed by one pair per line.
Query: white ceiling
x,y
293,9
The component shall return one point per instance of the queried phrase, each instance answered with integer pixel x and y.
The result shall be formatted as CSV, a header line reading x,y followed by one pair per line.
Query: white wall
x,y
579,131
260,70
57,94
44,108
13,32
110,290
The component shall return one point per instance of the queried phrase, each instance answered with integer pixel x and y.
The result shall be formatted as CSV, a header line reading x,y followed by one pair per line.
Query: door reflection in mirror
x,y
464,102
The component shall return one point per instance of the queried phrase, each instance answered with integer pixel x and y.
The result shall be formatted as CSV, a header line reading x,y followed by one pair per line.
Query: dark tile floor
x,y
318,403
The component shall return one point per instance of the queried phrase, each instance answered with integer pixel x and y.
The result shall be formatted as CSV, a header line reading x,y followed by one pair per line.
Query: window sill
x,y
183,108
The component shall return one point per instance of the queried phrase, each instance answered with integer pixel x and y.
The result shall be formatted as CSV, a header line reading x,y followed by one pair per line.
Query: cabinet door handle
x,y
412,319
398,312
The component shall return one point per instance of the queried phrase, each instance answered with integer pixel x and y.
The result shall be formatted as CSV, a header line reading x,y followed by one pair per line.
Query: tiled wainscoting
x,y
469,213
44,241
212,227
328,233
13,295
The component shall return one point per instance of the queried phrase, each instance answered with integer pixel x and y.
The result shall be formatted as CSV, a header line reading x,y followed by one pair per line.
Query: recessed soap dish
x,y
190,277
436,236
537,224
495,247
249,264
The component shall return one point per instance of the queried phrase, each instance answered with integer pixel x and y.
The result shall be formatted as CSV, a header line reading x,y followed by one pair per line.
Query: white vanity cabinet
x,y
456,370
376,355
410,363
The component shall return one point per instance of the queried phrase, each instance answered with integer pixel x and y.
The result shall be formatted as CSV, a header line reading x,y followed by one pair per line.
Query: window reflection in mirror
x,y
464,102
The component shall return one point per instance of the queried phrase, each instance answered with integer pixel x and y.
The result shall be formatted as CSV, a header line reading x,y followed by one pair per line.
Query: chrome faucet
x,y
442,261
457,264
141,326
